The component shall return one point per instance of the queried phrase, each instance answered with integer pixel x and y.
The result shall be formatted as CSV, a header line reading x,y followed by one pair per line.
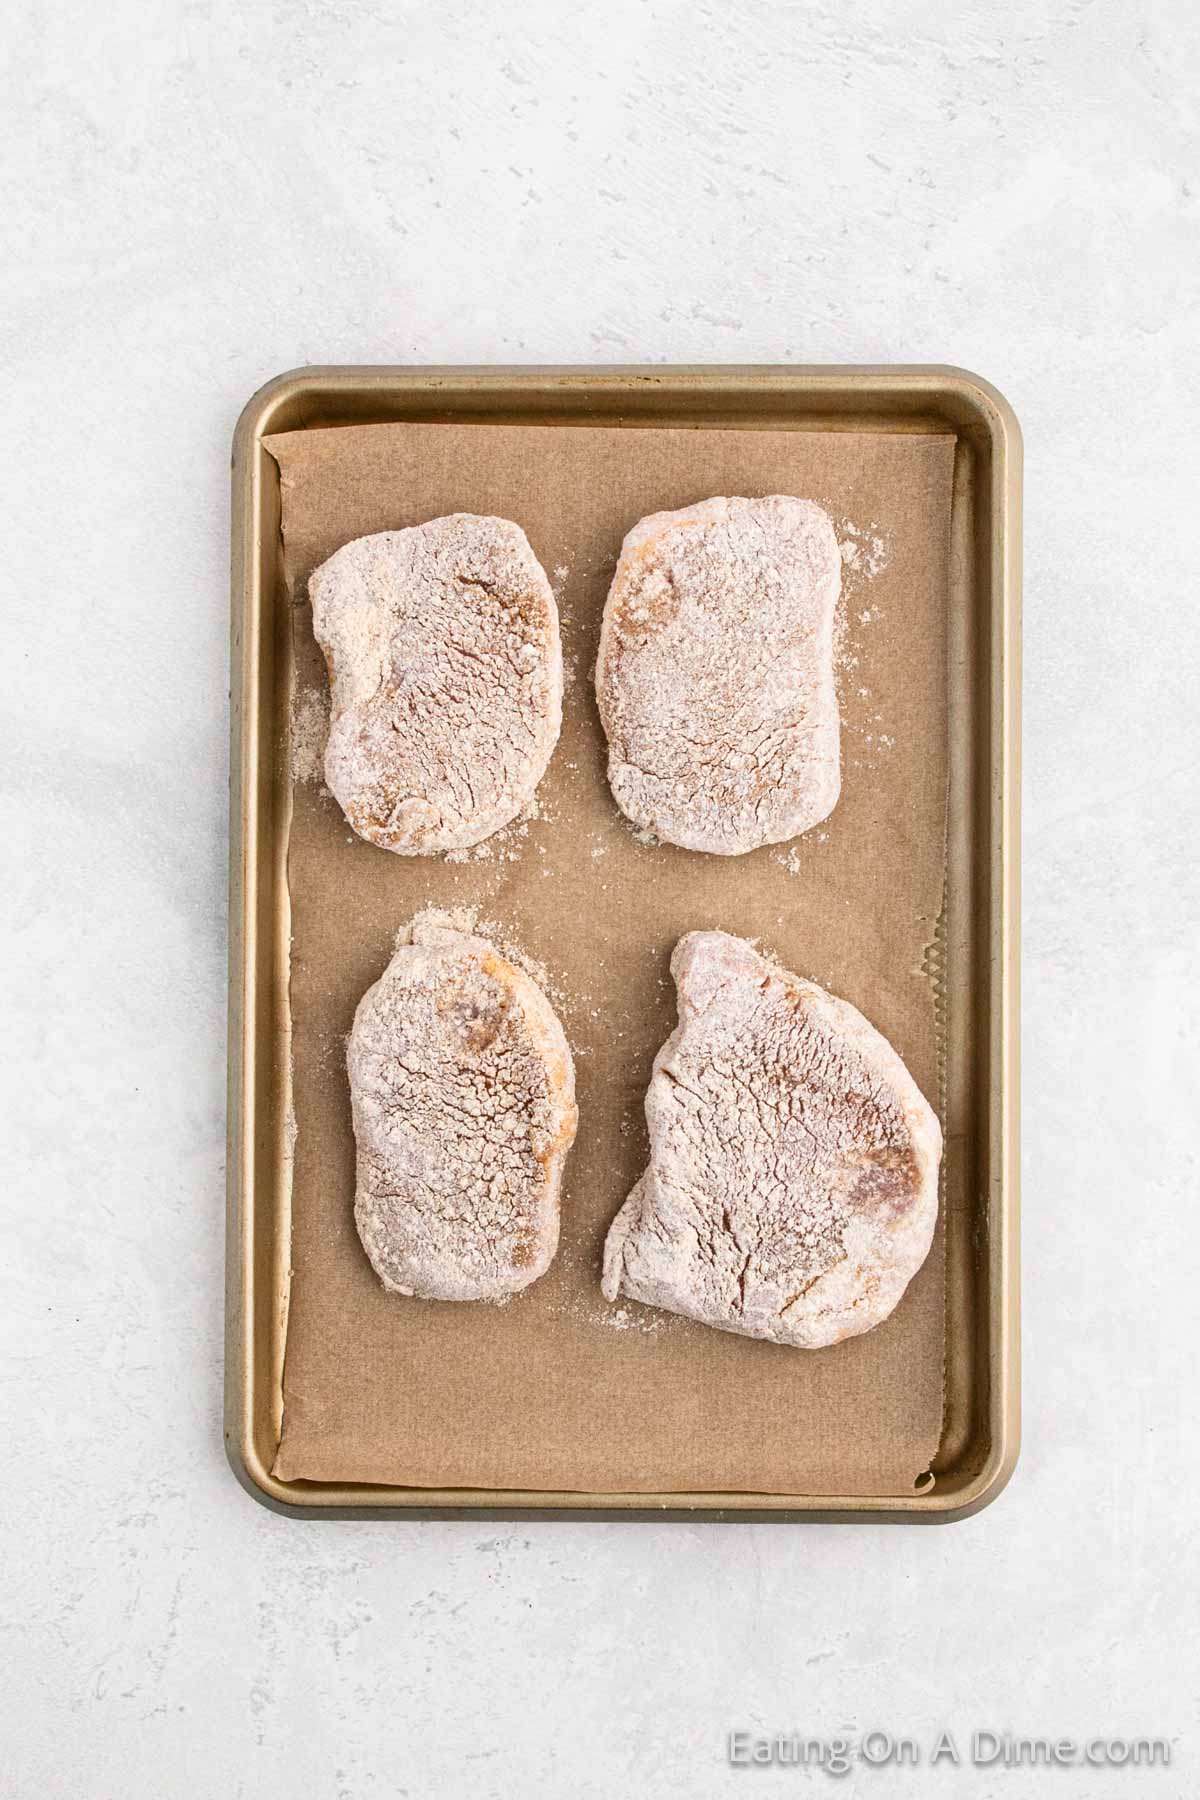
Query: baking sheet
x,y
556,1390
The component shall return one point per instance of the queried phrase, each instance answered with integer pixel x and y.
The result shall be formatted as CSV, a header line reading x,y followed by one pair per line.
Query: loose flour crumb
x,y
619,1318
865,555
864,549
310,733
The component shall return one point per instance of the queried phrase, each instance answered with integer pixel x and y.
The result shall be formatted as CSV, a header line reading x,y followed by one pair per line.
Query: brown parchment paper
x,y
557,1390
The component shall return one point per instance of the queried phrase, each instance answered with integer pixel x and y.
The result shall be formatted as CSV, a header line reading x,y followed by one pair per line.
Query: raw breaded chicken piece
x,y
792,1190
715,673
445,667
463,1094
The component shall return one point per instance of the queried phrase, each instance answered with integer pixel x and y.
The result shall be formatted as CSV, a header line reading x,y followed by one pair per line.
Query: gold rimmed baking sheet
x,y
469,439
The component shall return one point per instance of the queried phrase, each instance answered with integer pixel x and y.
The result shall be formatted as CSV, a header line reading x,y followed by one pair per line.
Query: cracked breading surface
x,y
445,665
463,1094
715,676
793,1178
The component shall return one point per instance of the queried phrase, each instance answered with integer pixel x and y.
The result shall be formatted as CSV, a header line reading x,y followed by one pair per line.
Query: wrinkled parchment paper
x,y
557,1390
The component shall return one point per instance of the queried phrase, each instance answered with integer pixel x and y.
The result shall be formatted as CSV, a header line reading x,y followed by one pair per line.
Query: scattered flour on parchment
x,y
619,1318
791,856
558,579
310,732
865,556
584,1311
864,549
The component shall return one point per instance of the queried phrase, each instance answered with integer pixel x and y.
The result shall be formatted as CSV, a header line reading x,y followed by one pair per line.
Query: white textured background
x,y
200,194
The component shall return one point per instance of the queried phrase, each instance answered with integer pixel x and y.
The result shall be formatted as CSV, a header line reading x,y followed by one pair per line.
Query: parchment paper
x,y
557,1390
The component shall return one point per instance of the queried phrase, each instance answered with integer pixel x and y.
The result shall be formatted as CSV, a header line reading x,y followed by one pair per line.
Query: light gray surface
x,y
200,195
